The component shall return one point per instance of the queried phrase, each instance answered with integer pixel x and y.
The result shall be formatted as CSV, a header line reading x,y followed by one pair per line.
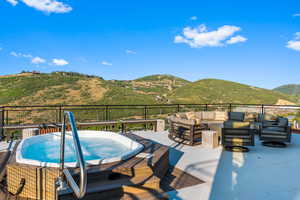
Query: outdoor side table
x,y
210,139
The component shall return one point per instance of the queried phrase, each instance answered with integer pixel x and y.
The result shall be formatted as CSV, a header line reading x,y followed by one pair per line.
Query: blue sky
x,y
252,42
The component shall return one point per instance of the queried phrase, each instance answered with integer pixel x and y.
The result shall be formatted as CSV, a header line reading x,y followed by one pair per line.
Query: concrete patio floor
x,y
263,173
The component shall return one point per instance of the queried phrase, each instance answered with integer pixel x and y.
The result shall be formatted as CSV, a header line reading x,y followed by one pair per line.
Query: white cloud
x,y
12,2
38,60
27,55
59,62
296,15
130,51
236,39
200,37
15,54
293,44
106,63
194,18
47,6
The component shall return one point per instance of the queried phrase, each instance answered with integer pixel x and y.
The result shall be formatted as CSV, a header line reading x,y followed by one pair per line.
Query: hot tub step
x,y
101,186
121,189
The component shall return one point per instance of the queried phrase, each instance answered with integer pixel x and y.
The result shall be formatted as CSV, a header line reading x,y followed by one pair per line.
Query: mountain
x,y
74,88
290,89
145,90
53,88
221,91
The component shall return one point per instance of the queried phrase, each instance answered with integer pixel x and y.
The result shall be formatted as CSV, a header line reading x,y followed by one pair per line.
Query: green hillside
x,y
220,91
26,88
74,88
291,89
148,89
161,77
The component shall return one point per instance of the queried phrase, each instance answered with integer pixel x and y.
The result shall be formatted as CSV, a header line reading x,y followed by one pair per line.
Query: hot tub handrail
x,y
81,190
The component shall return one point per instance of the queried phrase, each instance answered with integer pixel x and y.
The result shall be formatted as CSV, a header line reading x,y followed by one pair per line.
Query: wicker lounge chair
x,y
187,127
185,131
236,134
275,133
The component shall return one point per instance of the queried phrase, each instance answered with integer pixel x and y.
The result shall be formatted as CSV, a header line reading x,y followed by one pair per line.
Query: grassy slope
x,y
15,88
74,88
161,77
148,89
220,91
291,89
54,88
122,95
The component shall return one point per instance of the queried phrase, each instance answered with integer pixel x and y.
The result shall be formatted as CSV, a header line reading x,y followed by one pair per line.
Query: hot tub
x,y
98,147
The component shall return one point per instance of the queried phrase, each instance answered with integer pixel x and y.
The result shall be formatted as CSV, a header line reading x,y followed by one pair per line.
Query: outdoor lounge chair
x,y
186,131
187,127
236,134
275,133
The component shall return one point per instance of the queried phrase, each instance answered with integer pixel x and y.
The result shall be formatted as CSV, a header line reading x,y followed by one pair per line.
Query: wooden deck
x,y
174,179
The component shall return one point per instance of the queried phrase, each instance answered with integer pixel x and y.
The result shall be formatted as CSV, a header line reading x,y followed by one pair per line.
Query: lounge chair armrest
x,y
271,121
277,126
250,130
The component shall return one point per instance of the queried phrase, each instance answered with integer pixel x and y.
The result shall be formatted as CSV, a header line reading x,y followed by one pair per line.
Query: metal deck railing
x,y
47,114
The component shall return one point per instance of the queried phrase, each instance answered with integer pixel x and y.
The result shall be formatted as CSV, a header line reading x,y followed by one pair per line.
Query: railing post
x,y
178,107
2,122
59,114
123,127
106,113
262,109
206,107
145,112
230,107
6,117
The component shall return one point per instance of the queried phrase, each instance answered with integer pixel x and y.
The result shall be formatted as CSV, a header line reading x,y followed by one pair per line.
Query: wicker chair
x,y
236,134
275,133
185,131
187,127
